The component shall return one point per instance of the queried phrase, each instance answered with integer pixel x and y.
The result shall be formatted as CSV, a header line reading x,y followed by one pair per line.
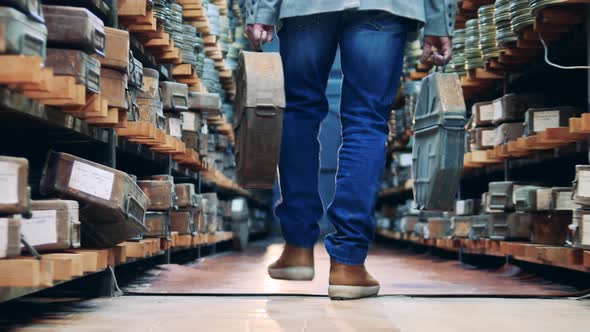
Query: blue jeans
x,y
371,47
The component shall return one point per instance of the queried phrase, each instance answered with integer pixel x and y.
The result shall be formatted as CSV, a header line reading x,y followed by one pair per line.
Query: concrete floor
x,y
159,313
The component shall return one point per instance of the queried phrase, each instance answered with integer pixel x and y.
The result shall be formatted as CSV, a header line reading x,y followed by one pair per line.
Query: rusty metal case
x,y
156,224
160,194
84,68
182,222
55,225
112,205
185,195
259,107
74,27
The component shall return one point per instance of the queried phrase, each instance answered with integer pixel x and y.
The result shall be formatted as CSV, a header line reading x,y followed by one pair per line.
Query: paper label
x,y
189,121
460,208
237,205
205,129
174,125
585,230
3,237
565,201
405,160
92,180
486,112
41,228
544,120
498,110
488,137
8,183
583,184
544,199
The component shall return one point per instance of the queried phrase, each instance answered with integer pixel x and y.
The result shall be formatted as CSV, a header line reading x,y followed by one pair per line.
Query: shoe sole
x,y
339,293
292,273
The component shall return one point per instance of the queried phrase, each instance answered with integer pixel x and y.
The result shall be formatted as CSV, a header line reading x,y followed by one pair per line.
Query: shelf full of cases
x,y
28,275
23,120
558,256
20,114
553,23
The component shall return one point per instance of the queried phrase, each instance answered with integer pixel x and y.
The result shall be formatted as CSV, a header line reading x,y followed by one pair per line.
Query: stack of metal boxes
x,y
457,64
482,132
466,212
162,200
487,32
188,219
151,108
509,114
500,121
473,52
15,201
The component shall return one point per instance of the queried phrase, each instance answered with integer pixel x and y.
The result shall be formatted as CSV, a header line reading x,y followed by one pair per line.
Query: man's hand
x,y
258,34
439,48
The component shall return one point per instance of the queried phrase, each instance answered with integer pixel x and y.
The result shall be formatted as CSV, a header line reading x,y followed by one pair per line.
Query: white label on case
x,y
565,201
3,237
237,205
488,137
174,124
91,180
498,110
486,112
586,230
8,183
41,228
583,184
405,160
544,120
460,209
189,121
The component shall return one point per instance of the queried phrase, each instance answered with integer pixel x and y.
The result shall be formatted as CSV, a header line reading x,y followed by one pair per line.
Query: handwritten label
x,y
189,121
41,228
488,137
91,180
585,230
544,120
174,127
8,183
486,112
498,109
583,184
3,237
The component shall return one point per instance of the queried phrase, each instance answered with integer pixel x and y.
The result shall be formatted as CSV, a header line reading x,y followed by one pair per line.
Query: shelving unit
x,y
546,158
33,122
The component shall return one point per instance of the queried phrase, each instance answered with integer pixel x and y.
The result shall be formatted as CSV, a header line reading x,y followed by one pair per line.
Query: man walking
x,y
371,35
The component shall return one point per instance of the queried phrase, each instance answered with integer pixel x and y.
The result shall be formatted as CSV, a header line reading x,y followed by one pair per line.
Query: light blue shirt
x,y
437,16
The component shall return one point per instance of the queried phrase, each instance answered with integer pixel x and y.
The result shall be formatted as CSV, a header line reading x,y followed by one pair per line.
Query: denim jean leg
x,y
308,46
372,56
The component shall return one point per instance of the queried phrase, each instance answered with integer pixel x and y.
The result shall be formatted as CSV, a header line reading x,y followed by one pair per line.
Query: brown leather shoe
x,y
348,282
294,264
